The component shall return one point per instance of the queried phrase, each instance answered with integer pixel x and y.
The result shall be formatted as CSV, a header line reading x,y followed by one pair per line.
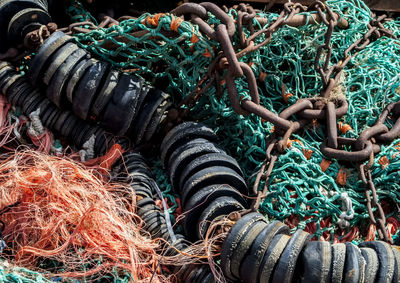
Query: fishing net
x,y
306,190
63,220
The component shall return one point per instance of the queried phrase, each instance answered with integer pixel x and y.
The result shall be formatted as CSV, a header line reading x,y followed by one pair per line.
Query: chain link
x,y
322,108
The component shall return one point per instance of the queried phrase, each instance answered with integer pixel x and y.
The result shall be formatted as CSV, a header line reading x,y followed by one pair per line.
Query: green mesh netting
x,y
10,273
298,186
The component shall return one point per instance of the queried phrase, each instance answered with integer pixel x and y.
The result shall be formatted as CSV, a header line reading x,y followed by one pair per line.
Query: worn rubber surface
x,y
69,125
64,115
338,260
57,59
353,267
105,93
31,98
9,80
396,253
157,119
315,262
56,88
209,160
235,235
212,176
51,45
201,200
371,264
77,73
285,268
221,206
386,260
14,91
8,8
23,18
122,107
87,88
34,103
271,257
244,246
181,134
153,100
260,244
185,154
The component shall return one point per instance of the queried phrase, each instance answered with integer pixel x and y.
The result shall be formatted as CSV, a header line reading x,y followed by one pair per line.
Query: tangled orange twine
x,y
64,213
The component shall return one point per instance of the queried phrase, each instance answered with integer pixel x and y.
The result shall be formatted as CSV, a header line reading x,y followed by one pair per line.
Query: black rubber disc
x,y
51,45
157,119
260,245
154,98
77,73
87,88
24,18
315,262
20,93
56,88
8,8
371,264
237,232
244,245
14,91
69,125
338,260
10,80
208,160
271,257
220,207
34,102
122,107
186,154
354,266
61,120
396,253
182,134
105,93
386,260
213,176
201,200
286,265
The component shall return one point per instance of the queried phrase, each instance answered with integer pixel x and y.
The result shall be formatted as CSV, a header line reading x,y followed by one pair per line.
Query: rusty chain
x,y
323,107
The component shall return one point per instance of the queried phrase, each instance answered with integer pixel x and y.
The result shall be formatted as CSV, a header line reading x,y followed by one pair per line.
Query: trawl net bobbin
x,y
326,180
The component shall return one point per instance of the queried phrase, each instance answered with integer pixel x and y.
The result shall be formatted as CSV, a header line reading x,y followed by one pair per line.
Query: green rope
x,y
297,186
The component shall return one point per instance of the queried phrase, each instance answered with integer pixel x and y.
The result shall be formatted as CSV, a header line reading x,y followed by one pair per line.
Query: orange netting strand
x,y
69,215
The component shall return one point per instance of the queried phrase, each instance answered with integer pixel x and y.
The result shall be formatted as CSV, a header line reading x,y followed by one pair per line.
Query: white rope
x,y
87,151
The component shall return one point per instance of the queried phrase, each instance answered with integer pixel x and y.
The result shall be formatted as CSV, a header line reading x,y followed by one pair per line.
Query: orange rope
x,y
175,23
384,162
341,177
325,164
344,128
67,214
285,95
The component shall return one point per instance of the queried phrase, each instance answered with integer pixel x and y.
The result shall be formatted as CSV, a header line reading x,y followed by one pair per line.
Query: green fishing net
x,y
299,190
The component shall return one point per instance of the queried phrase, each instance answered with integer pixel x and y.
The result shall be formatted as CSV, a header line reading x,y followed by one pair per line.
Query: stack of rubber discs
x,y
20,93
122,103
195,273
257,251
132,169
209,181
18,18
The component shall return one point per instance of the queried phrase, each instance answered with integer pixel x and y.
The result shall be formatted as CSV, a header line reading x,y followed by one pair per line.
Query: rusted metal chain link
x,y
366,177
322,108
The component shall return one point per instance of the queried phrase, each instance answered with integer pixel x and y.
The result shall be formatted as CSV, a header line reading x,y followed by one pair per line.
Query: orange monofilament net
x,y
60,212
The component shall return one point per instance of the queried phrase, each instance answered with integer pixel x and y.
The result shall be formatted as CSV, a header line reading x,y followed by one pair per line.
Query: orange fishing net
x,y
55,209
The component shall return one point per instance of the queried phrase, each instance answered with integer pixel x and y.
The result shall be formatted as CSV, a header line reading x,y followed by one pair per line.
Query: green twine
x,y
298,186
